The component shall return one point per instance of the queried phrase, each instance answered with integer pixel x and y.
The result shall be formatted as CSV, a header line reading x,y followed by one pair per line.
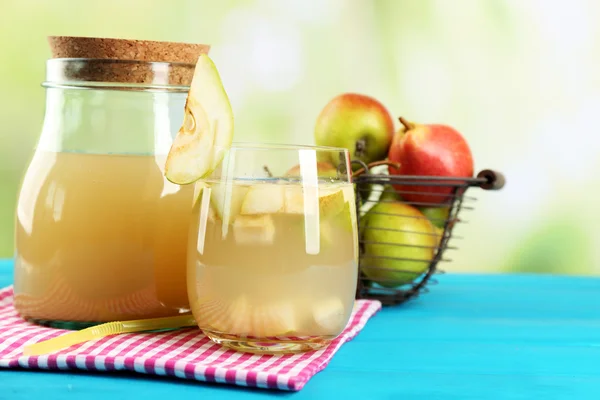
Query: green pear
x,y
399,244
440,234
437,215
389,194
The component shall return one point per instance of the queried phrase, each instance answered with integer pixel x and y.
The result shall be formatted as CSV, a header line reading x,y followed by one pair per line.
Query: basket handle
x,y
494,179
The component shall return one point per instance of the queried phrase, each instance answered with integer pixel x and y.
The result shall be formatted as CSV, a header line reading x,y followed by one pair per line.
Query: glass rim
x,y
282,146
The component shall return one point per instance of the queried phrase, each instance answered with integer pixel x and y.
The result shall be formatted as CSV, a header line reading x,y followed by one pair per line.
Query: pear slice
x,y
207,129
273,319
261,321
319,233
346,219
327,235
329,314
254,229
331,201
294,199
271,198
213,313
241,317
221,315
265,198
227,200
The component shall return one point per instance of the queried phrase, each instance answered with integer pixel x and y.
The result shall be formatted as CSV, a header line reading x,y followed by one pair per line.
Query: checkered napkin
x,y
185,353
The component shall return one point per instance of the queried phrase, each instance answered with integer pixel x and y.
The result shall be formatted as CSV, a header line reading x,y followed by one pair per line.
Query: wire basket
x,y
404,266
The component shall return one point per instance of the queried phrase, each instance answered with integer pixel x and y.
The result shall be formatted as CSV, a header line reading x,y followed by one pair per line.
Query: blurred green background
x,y
520,79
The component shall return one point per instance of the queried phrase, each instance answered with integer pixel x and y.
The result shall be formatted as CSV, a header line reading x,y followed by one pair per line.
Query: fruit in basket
x,y
437,215
429,150
324,170
399,244
439,234
388,193
358,123
364,191
207,128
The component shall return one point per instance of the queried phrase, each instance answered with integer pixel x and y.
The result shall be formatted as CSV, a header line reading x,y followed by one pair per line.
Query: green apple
x,y
207,129
358,123
399,244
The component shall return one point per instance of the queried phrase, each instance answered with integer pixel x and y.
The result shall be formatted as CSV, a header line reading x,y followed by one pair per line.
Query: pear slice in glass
x,y
264,198
241,317
254,230
227,199
329,314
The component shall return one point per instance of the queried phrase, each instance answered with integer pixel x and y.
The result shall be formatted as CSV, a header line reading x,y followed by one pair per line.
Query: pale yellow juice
x,y
100,238
287,272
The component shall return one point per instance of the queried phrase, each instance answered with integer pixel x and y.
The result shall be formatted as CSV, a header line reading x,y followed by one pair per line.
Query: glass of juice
x,y
273,250
100,233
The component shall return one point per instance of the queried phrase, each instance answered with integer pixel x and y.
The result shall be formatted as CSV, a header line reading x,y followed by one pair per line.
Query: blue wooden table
x,y
472,337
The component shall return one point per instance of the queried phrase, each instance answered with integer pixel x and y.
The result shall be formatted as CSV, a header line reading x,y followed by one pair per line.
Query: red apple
x,y
430,150
358,123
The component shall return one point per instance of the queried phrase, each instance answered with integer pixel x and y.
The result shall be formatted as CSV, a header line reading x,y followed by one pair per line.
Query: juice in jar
x,y
100,237
100,233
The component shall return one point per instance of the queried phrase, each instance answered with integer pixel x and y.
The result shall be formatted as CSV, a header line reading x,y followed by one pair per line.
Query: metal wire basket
x,y
396,275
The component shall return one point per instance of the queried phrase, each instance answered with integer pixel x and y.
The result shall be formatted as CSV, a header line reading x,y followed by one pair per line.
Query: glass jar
x,y
101,235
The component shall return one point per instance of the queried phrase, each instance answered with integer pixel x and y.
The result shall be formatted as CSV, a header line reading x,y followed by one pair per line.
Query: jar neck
x,y
110,121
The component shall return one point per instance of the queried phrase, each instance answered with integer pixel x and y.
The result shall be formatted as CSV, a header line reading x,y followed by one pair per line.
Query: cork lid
x,y
126,60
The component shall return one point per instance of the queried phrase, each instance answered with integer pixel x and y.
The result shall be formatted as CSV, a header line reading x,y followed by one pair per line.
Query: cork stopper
x,y
125,60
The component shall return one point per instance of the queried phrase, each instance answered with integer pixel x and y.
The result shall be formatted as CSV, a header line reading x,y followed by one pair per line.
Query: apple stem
x,y
407,125
359,148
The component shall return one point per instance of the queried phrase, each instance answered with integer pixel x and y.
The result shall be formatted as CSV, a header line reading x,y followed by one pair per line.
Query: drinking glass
x,y
273,249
